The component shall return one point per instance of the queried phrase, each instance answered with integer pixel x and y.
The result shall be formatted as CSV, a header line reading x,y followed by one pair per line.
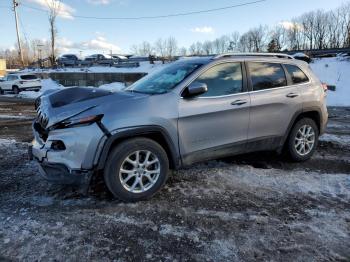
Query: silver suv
x,y
192,110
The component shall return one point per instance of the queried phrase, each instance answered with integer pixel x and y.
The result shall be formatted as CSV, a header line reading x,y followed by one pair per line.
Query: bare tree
x,y
233,42
257,38
183,51
320,29
171,47
145,48
208,47
54,8
160,47
192,49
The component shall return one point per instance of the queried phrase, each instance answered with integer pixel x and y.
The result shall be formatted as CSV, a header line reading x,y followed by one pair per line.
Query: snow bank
x,y
49,84
46,84
334,71
116,86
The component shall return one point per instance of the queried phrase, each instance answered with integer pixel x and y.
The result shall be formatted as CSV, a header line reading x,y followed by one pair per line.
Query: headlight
x,y
78,121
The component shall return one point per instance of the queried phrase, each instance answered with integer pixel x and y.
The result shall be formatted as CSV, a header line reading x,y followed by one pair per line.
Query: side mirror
x,y
195,89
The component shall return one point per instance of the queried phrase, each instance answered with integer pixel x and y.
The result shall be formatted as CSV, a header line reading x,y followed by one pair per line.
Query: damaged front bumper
x,y
73,161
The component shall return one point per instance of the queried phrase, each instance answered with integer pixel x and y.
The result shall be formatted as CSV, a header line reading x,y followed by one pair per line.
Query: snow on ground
x,y
14,117
334,71
343,140
6,142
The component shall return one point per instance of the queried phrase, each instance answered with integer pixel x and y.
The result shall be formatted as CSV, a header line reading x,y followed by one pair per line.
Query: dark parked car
x,y
68,60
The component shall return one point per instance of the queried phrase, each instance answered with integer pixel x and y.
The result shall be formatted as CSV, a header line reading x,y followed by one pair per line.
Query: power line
x,y
157,16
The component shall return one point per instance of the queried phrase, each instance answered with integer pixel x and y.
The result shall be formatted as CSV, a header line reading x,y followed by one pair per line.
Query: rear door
x,y
274,103
216,123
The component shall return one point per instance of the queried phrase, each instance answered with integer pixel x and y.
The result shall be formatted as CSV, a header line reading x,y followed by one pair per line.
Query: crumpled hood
x,y
58,106
75,95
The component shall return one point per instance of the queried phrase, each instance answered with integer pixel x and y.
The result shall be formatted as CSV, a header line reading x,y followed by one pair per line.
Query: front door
x,y
215,123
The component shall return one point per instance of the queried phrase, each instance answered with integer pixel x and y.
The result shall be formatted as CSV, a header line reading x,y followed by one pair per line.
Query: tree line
x,y
312,30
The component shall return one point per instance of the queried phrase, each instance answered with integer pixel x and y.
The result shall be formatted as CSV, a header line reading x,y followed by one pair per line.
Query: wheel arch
x,y
156,133
311,113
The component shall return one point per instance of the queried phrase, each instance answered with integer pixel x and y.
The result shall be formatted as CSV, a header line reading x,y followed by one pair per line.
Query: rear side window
x,y
266,75
296,74
28,77
222,79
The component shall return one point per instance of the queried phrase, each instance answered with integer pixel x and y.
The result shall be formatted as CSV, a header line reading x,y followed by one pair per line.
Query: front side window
x,y
222,79
164,80
266,75
296,74
12,78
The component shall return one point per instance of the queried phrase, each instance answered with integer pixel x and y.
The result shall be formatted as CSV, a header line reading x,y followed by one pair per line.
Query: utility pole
x,y
40,64
15,5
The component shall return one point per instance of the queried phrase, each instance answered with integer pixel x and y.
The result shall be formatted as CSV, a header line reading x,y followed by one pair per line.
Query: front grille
x,y
40,124
42,118
37,103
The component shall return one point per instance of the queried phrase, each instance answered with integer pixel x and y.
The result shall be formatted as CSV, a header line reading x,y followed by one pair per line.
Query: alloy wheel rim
x,y
304,140
139,171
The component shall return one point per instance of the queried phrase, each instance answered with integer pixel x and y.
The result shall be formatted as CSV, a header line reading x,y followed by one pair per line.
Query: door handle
x,y
238,102
292,95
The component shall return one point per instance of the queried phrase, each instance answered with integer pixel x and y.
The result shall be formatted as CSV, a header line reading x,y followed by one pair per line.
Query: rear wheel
x,y
136,169
16,90
303,140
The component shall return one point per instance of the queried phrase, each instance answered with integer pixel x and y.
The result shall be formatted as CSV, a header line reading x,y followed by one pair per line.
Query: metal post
x,y
40,57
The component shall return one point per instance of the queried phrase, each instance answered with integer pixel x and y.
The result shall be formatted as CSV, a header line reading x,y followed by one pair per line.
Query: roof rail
x,y
277,55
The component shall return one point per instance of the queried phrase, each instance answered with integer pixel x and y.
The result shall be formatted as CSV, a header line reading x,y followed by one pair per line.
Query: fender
x,y
136,131
293,120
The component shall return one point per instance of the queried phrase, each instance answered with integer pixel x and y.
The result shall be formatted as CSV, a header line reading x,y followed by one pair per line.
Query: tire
x,y
117,163
16,90
1,91
297,140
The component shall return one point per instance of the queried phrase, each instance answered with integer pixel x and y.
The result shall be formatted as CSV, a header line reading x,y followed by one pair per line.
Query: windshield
x,y
165,79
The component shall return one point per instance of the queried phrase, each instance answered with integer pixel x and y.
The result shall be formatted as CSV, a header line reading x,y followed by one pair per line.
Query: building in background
x,y
2,67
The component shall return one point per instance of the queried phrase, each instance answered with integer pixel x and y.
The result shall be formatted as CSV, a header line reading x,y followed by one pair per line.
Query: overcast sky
x,y
91,36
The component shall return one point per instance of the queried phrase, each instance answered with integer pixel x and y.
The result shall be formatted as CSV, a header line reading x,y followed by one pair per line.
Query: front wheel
x,y
303,140
136,169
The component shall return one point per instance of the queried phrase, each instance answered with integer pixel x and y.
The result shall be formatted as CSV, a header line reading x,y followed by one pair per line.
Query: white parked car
x,y
20,82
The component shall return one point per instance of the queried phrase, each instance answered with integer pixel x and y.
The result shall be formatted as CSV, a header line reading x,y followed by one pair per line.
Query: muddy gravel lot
x,y
246,208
